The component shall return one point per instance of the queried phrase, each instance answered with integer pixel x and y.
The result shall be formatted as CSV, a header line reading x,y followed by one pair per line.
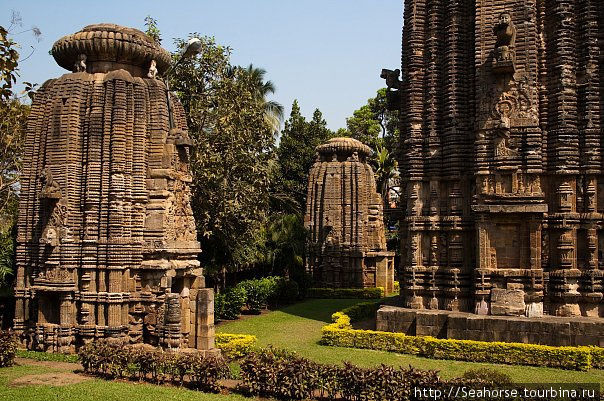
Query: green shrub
x,y
340,333
488,375
115,360
255,295
361,311
597,356
230,303
356,293
8,348
289,292
235,346
397,287
284,375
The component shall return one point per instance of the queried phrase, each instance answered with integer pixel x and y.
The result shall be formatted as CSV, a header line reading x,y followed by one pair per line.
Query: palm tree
x,y
386,170
273,111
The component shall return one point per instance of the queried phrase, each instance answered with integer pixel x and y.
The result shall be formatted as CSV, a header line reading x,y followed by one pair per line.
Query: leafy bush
x,y
227,306
289,292
356,293
110,359
488,375
363,310
277,373
235,346
8,348
284,375
340,333
597,356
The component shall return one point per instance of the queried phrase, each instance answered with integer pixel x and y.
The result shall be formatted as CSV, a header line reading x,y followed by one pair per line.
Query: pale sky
x,y
327,54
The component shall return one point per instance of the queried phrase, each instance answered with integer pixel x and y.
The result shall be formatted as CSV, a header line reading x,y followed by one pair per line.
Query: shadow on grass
x,y
318,309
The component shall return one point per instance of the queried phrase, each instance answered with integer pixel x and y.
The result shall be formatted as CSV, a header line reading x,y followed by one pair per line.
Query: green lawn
x,y
298,328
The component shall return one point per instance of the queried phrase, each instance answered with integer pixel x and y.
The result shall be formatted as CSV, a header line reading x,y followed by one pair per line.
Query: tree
x,y
13,116
364,126
386,171
285,244
273,111
373,124
152,30
296,153
232,160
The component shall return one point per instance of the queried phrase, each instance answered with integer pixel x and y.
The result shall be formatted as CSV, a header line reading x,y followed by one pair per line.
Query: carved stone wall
x,y
344,216
106,236
500,152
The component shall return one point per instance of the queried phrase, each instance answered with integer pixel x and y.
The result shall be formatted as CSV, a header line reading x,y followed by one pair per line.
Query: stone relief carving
x,y
152,70
80,64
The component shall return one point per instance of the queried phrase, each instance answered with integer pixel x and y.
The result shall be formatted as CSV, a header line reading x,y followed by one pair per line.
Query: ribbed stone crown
x,y
109,47
344,147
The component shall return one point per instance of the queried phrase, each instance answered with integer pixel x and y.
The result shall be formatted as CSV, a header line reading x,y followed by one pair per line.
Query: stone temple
x,y
344,216
107,243
501,157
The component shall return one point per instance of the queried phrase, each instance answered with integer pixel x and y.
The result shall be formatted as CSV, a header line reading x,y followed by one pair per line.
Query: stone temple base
x,y
547,330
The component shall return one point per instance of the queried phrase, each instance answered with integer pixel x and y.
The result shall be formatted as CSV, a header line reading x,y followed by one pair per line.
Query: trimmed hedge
x,y
235,346
597,357
357,293
116,360
340,333
8,348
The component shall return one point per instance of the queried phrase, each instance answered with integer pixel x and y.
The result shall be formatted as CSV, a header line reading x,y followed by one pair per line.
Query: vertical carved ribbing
x,y
413,87
588,86
561,46
344,216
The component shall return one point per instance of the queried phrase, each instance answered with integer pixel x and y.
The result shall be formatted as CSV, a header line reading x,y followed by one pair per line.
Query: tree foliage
x,y
296,153
232,159
13,116
373,124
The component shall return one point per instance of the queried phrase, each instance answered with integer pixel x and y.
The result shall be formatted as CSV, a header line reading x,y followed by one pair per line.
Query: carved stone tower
x,y
107,242
347,243
501,143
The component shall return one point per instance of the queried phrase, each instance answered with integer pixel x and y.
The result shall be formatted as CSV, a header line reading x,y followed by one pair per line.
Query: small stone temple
x,y
501,157
344,216
107,245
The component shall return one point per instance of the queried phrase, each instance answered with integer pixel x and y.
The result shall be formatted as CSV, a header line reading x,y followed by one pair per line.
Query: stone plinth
x,y
548,330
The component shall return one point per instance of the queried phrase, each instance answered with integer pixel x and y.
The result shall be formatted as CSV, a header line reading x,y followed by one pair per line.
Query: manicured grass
x,y
298,328
46,356
96,390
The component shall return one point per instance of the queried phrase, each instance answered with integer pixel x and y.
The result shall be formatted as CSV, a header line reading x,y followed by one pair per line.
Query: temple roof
x,y
344,146
112,44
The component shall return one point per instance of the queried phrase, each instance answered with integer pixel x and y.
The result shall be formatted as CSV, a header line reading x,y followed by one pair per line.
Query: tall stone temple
x,y
344,217
502,117
107,243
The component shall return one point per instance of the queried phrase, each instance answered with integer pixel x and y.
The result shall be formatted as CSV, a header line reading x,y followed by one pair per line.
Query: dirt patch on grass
x,y
49,379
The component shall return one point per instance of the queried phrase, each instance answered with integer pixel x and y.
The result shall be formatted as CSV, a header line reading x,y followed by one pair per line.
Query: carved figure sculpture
x,y
106,235
347,244
505,32
152,70
80,64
